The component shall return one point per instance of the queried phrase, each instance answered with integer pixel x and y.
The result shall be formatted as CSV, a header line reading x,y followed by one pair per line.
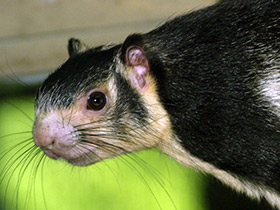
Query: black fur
x,y
208,64
80,73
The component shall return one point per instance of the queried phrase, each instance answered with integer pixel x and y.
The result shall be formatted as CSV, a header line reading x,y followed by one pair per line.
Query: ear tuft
x,y
75,46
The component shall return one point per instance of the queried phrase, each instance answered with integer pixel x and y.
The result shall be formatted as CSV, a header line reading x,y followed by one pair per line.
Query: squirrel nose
x,y
42,139
50,133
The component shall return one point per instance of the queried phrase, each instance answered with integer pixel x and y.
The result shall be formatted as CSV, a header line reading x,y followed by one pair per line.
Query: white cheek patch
x,y
270,89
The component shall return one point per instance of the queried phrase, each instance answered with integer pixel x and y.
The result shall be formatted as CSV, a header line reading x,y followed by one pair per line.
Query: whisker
x,y
62,117
88,123
106,136
20,110
28,163
152,171
71,113
85,142
143,164
13,147
101,133
14,76
14,134
16,163
108,147
42,180
12,161
35,168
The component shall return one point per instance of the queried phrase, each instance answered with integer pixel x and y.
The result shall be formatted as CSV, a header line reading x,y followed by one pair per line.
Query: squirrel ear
x,y
136,58
75,46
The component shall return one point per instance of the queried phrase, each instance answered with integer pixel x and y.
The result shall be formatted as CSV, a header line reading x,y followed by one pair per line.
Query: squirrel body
x,y
203,88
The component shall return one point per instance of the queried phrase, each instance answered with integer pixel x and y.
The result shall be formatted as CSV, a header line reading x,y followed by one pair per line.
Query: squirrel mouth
x,y
74,156
84,160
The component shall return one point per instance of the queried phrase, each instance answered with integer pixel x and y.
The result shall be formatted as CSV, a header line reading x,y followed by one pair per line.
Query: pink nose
x,y
43,138
51,134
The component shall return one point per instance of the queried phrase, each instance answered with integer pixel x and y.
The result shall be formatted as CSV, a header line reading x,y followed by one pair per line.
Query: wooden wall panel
x,y
34,34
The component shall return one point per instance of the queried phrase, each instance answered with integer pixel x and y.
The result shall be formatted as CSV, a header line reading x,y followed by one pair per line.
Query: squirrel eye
x,y
96,101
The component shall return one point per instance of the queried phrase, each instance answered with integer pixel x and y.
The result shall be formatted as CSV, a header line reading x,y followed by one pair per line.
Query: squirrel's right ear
x,y
133,56
75,46
131,40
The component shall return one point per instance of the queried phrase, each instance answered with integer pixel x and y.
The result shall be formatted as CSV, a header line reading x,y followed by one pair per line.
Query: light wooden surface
x,y
34,34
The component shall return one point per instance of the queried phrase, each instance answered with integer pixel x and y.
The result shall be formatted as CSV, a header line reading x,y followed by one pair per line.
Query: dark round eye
x,y
96,101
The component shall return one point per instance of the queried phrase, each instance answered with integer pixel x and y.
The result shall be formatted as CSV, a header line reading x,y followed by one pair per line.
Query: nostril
x,y
44,141
50,143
